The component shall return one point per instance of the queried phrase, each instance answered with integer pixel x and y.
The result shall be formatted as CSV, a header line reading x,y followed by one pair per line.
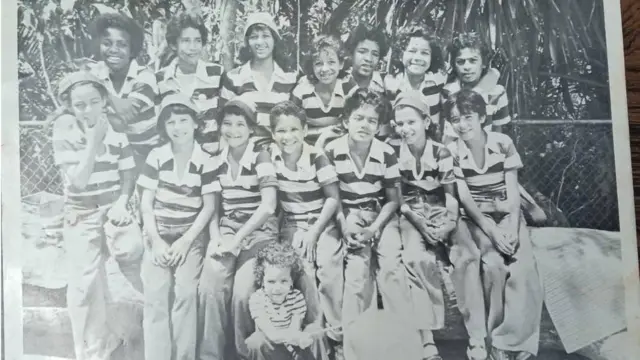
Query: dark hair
x,y
245,54
121,22
65,97
431,130
365,96
469,41
322,43
183,21
278,254
363,32
466,101
235,110
177,109
437,55
286,108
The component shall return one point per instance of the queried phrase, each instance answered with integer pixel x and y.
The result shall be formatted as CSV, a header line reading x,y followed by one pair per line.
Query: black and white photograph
x,y
318,180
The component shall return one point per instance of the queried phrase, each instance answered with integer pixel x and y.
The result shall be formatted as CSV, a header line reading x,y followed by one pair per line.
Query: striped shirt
x,y
497,106
321,116
279,315
178,199
436,169
241,81
103,188
140,85
364,189
300,192
375,84
487,184
204,89
429,90
243,193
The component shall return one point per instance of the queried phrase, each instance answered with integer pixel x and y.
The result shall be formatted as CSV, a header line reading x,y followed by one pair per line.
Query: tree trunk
x,y
227,32
45,75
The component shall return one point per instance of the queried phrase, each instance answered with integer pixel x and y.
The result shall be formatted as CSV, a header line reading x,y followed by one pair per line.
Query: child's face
x,y
363,123
277,282
410,125
417,56
235,130
326,66
289,134
180,128
366,57
87,103
261,42
469,65
189,46
115,48
467,126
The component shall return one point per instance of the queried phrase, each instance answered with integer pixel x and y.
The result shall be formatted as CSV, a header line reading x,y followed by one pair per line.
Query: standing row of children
x,y
274,205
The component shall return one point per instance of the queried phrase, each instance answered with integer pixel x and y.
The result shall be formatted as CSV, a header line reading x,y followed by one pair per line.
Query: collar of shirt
x,y
491,144
245,161
430,79
455,86
101,70
303,163
277,75
201,70
427,159
376,83
375,150
165,152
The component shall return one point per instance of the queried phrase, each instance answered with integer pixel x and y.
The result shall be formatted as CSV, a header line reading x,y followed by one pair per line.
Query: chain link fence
x,y
571,163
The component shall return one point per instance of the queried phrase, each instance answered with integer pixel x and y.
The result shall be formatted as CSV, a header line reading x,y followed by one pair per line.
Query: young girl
x,y
278,309
262,77
368,177
429,211
177,203
322,93
189,74
98,170
491,252
246,186
309,196
132,87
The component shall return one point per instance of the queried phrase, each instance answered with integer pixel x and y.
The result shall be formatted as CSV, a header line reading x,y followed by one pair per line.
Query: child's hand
x,y
96,134
307,241
304,340
159,253
118,214
500,241
228,245
367,234
351,236
178,251
124,108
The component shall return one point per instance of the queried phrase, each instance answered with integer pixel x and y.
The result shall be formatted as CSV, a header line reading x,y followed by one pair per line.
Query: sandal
x,y
476,352
430,352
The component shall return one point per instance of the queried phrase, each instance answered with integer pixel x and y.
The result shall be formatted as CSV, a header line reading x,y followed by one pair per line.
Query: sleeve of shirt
x,y
501,103
445,167
325,171
265,170
208,176
257,305
228,90
149,175
296,95
145,89
392,170
125,160
299,305
455,161
64,153
512,159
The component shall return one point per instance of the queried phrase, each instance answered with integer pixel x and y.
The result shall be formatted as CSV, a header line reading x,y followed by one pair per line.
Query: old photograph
x,y
318,180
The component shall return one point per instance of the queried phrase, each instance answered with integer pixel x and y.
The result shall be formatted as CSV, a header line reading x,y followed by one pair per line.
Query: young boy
x,y
132,87
309,196
369,188
177,204
189,74
246,186
491,252
367,46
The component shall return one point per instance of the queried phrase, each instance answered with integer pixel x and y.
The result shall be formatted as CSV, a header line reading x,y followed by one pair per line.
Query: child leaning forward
x,y
177,204
491,251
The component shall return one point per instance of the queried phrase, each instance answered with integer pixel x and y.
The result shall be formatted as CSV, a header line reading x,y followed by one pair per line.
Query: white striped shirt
x,y
279,315
429,90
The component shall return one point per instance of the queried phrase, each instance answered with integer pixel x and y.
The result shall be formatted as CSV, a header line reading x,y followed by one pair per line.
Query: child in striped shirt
x,y
177,204
189,74
245,185
99,177
369,188
278,309
309,196
323,91
261,77
491,251
132,87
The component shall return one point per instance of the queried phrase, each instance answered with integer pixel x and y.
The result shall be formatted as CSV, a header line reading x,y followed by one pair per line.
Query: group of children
x,y
276,207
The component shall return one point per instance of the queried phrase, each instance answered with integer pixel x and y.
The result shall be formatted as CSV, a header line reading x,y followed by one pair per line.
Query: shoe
x,y
499,354
522,355
476,352
430,352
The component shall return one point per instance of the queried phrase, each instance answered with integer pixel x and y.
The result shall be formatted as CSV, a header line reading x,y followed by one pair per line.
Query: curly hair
x,y
278,254
367,97
286,108
437,55
320,44
185,20
466,101
177,109
363,32
468,40
246,55
120,22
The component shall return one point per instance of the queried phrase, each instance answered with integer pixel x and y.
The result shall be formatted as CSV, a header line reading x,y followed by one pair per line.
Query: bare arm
x,y
203,218
387,211
513,198
331,204
265,210
149,218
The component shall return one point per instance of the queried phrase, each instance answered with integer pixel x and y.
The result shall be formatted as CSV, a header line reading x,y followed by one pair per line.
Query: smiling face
x,y
363,123
277,282
289,134
326,66
235,130
87,103
189,46
469,65
366,57
410,125
467,126
417,56
115,49
261,42
180,128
